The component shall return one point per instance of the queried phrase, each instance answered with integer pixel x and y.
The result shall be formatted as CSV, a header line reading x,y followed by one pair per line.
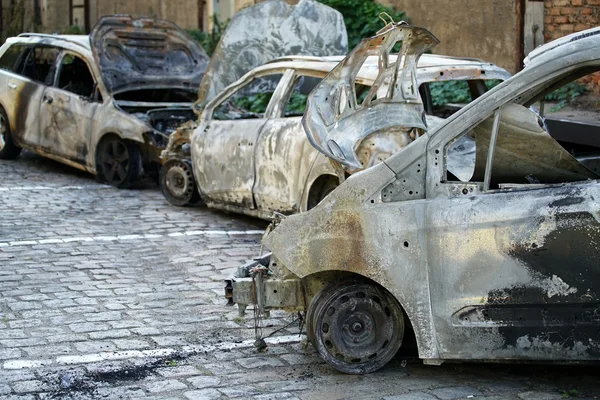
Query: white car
x,y
104,103
249,151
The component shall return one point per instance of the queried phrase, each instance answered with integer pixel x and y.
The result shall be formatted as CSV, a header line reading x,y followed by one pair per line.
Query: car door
x,y
27,85
283,153
67,109
11,83
513,265
225,162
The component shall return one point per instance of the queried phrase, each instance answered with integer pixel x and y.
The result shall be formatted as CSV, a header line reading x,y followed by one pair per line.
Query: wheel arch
x,y
412,339
107,135
321,166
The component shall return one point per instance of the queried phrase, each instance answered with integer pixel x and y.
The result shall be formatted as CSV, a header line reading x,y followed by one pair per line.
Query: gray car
x,y
498,262
104,103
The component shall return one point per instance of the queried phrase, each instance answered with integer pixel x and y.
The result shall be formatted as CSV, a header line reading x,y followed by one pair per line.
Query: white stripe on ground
x,y
123,355
34,188
120,238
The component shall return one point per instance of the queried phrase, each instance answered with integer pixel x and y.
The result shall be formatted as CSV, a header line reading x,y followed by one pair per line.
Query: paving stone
x,y
260,362
201,382
411,396
165,386
204,394
451,393
244,391
540,396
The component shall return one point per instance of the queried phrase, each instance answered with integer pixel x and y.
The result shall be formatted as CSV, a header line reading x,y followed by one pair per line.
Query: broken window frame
x,y
51,75
271,109
526,96
95,96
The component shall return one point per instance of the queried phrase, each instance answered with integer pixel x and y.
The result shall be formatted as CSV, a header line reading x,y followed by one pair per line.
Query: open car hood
x,y
336,123
145,53
269,30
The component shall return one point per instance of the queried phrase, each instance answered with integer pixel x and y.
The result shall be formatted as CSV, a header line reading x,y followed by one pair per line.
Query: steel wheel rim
x,y
178,181
3,130
115,162
358,329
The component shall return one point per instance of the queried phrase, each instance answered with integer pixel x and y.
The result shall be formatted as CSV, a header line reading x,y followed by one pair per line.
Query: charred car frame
x,y
104,103
497,262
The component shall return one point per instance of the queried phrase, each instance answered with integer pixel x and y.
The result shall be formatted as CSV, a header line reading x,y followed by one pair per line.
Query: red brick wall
x,y
562,17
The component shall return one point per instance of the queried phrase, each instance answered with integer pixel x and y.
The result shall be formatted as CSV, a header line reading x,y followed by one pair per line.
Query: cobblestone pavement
x,y
109,293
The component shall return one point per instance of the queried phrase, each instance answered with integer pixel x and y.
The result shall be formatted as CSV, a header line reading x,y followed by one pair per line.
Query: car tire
x,y
176,181
356,326
8,149
119,162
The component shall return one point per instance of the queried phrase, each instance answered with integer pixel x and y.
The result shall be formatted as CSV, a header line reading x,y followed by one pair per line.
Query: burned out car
x,y
498,262
248,152
104,103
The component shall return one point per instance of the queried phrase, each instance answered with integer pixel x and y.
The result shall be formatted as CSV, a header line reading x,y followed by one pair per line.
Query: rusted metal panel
x,y
145,52
308,28
506,272
336,122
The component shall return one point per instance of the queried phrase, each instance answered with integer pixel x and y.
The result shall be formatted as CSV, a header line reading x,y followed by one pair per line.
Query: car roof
x,y
429,67
79,40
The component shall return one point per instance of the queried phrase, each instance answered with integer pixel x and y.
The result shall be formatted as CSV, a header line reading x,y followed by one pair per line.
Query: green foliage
x,y
446,92
297,104
73,30
362,17
443,93
255,103
209,40
566,94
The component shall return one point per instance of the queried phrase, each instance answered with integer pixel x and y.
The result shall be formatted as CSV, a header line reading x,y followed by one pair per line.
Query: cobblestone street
x,y
108,293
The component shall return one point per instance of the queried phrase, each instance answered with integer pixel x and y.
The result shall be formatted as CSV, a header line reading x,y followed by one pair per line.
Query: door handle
x,y
12,86
48,99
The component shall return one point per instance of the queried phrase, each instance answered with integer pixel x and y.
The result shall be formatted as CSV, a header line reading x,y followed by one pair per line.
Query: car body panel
x,y
509,272
152,52
71,127
307,28
284,164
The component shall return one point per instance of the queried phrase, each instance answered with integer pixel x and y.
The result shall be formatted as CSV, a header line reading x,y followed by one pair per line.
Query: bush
x,y
209,40
362,17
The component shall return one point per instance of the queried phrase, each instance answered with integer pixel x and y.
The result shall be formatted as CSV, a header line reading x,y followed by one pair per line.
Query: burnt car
x,y
248,152
497,262
104,103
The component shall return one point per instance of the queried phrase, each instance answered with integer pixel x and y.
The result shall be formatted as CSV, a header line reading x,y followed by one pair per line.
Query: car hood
x,y
268,30
146,52
335,122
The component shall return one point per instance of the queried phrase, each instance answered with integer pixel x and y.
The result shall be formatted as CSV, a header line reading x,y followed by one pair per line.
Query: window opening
x,y
249,102
296,104
75,76
10,59
39,65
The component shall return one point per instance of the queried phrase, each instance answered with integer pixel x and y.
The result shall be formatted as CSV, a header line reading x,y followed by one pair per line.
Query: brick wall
x,y
562,17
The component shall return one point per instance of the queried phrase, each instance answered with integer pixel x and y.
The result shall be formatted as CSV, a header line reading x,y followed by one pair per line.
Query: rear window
x,y
10,59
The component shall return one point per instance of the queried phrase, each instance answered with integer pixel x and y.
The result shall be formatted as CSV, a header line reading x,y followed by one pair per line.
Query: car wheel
x,y
8,149
120,162
357,327
177,183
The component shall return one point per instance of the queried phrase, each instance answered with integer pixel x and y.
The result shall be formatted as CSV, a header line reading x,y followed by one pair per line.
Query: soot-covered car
x,y
490,254
104,103
249,152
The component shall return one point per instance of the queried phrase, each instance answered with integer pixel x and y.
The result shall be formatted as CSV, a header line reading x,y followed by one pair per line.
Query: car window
x,y
448,97
250,101
74,76
296,104
40,63
10,59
